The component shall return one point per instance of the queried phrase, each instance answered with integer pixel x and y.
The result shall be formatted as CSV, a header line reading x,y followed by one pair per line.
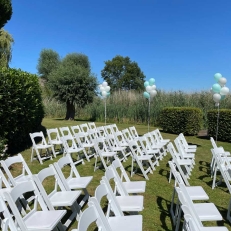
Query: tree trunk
x,y
70,114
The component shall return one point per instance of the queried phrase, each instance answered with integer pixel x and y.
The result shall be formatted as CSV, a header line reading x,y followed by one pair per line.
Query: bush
x,y
224,124
21,110
181,120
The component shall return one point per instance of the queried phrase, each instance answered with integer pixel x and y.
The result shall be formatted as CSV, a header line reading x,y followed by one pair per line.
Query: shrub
x,y
181,120
21,110
224,124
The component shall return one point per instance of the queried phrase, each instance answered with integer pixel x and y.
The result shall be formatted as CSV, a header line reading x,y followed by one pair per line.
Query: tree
x,y
122,73
72,82
6,42
5,12
48,61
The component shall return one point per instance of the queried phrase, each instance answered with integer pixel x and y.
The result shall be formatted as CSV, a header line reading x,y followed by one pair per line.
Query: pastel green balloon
x,y
146,83
216,88
151,81
217,76
146,95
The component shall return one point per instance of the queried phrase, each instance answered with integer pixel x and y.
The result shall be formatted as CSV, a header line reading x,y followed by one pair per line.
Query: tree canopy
x,y
5,12
6,42
48,61
73,83
122,73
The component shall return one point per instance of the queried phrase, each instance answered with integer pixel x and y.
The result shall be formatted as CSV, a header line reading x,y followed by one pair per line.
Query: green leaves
x,y
122,73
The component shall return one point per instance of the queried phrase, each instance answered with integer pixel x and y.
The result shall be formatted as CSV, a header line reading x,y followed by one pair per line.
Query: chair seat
x,y
197,193
207,212
81,182
88,145
72,150
44,220
130,203
108,154
64,198
135,187
145,157
184,161
21,179
56,142
43,146
126,223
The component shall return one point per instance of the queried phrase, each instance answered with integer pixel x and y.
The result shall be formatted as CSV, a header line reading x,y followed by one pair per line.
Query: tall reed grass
x,y
132,107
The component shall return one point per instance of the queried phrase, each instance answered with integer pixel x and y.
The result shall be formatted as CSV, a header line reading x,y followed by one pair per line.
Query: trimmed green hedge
x,y
181,120
21,109
224,124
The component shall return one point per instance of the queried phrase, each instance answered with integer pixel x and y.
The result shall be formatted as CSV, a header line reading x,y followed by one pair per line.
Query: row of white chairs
x,y
43,214
194,213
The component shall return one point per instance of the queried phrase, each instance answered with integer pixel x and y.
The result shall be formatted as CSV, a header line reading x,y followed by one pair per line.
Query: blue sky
x,y
180,43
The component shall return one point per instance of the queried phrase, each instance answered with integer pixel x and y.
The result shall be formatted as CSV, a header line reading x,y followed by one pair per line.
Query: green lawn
x,y
158,193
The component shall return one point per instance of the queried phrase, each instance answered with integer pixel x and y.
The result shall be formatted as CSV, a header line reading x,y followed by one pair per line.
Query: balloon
x,y
146,83
216,97
216,104
222,81
102,89
104,84
146,95
148,89
217,76
216,88
108,94
153,93
104,93
222,97
151,81
153,87
107,88
224,91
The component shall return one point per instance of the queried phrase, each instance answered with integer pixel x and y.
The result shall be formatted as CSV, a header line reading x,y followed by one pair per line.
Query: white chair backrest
x,y
117,164
108,130
6,220
101,132
177,176
114,128
65,132
77,130
38,135
133,131
127,135
84,127
92,125
53,135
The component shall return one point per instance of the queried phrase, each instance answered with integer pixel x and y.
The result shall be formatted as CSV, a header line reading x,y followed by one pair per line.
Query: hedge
x,y
224,124
181,120
21,109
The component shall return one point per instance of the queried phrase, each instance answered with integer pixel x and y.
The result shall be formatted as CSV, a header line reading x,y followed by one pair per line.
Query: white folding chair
x,y
73,179
114,128
140,159
127,135
39,148
70,147
102,152
190,148
192,223
160,137
59,197
114,147
83,141
6,221
39,218
147,150
108,129
84,127
186,163
120,139
92,125
204,211
89,216
101,132
122,223
54,140
195,192
134,133
130,186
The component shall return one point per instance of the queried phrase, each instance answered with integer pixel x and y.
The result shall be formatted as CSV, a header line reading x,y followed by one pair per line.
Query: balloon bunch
x,y
104,89
219,89
150,88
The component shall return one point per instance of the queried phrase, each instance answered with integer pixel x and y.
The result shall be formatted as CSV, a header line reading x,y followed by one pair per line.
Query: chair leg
x,y
228,212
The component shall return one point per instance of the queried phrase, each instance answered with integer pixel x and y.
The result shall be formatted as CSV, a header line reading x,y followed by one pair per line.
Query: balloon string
x,y
217,121
148,113
105,111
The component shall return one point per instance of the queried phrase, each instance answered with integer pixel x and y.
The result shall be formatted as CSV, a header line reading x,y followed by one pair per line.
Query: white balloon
x,y
153,87
104,93
224,91
104,84
222,81
107,88
148,89
153,93
102,89
216,97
